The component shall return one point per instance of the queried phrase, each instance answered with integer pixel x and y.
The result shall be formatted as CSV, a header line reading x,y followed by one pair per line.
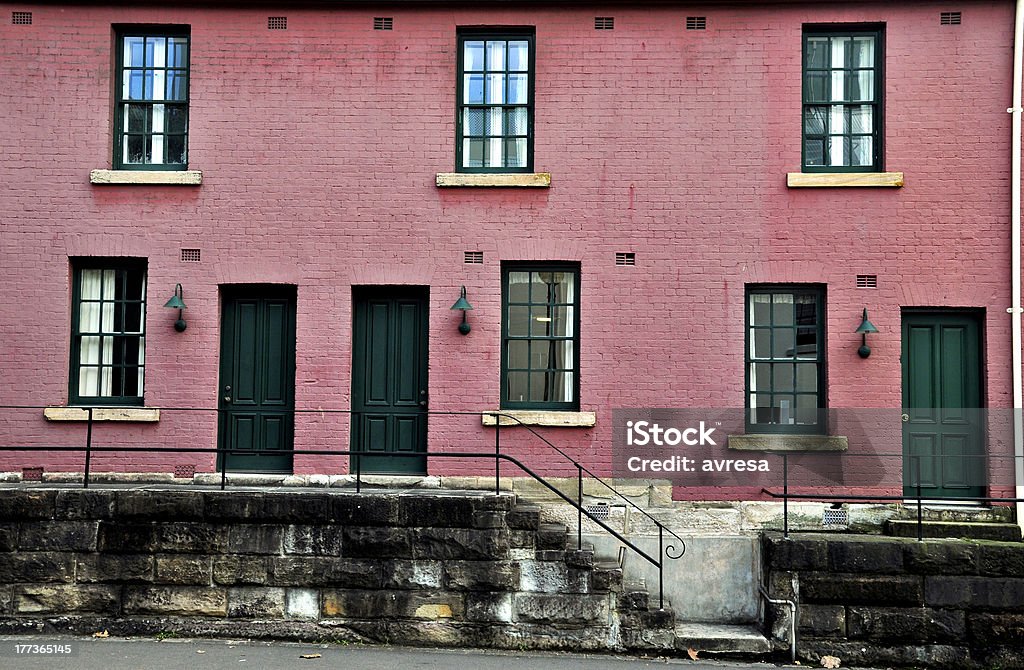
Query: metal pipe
x,y
785,496
792,620
1015,259
579,508
88,451
920,510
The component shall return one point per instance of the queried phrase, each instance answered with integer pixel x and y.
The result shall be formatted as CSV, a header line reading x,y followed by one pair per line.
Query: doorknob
x,y
905,417
227,396
423,398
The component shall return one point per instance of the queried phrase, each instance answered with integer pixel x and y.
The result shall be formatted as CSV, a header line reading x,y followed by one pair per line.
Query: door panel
x,y
389,378
943,435
257,378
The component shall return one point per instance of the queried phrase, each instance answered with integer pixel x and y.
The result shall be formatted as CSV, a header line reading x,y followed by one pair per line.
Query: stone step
x,y
1002,532
551,536
721,638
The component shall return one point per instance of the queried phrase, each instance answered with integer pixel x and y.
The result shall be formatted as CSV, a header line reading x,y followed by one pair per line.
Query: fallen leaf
x,y
102,633
692,653
200,651
829,662
310,656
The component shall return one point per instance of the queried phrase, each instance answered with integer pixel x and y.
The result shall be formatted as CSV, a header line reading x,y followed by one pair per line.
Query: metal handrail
x,y
671,550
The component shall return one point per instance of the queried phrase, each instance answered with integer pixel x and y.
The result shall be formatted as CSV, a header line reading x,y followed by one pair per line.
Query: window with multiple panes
x,y
151,119
540,337
842,92
785,359
108,331
495,102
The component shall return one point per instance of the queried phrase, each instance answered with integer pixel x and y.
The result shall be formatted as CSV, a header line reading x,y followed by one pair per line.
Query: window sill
x,y
844,179
511,179
788,443
534,417
126,414
147,177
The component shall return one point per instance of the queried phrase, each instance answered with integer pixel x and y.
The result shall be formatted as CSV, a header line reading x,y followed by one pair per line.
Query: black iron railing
x,y
670,547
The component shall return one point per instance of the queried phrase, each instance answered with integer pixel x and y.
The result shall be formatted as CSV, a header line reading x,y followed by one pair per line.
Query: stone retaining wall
x,y
891,601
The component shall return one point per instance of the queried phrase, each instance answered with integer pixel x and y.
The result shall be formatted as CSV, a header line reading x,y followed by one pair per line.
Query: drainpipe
x,y
1015,267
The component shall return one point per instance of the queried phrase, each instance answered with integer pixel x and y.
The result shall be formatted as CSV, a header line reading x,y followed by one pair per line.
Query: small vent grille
x,y
625,258
277,23
383,23
191,255
835,517
475,257
31,474
949,18
184,471
604,23
598,511
867,281
21,18
696,22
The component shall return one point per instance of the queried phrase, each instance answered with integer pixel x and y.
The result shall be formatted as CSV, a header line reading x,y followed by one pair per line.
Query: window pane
x,y
133,52
473,121
807,342
177,82
495,89
814,152
518,286
783,343
837,120
839,45
175,118
860,151
518,321
518,89
814,121
516,121
178,52
760,309
837,150
806,309
496,55
816,87
473,89
518,355
136,149
862,86
519,56
90,350
807,377
176,153
132,318
816,52
762,343
472,153
517,390
782,304
838,89
784,409
541,321
495,155
783,379
132,85
861,119
862,52
807,413
515,153
760,377
541,355
473,56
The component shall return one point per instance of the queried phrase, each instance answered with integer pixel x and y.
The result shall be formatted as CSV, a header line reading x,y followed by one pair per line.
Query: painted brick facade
x,y
319,147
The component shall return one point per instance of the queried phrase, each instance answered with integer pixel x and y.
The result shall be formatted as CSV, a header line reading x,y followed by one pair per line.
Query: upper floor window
x,y
842,94
540,337
151,118
495,102
785,359
108,331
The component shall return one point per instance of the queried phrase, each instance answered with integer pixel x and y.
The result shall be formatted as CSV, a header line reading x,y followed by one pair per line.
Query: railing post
x,y
661,567
579,507
497,454
785,496
920,510
88,450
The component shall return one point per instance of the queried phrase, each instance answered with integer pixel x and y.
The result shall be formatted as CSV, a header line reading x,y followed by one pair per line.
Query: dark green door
x,y
257,377
389,379
942,419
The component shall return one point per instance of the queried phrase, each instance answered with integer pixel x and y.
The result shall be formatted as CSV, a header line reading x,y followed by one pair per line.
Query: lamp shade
x,y
175,302
462,304
865,325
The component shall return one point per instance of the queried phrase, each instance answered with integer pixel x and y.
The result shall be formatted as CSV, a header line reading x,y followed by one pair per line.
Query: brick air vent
x,y
31,474
474,257
867,281
949,18
277,23
625,258
191,255
604,23
835,517
184,471
696,22
598,510
383,23
21,18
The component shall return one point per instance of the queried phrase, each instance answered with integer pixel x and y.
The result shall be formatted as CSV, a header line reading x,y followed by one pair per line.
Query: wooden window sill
x,y
844,179
147,177
126,414
788,443
534,417
510,179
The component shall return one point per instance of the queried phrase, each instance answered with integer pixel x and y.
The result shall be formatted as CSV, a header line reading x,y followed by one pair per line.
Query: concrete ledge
x,y
128,414
511,179
844,179
542,418
788,443
151,177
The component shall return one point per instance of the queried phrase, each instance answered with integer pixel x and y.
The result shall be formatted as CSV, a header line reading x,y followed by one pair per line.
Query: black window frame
x,y
124,269
878,122
507,34
820,426
506,269
122,32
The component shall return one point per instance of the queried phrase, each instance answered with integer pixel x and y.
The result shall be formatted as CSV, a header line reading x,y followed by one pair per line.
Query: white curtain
x,y
95,317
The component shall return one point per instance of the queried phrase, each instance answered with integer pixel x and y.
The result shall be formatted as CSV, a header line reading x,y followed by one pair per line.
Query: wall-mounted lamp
x,y
177,303
463,306
864,328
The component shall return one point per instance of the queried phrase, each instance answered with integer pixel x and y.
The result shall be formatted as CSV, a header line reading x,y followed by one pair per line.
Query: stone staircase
x,y
975,523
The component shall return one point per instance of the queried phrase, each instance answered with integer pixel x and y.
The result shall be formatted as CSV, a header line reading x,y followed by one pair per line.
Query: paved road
x,y
149,654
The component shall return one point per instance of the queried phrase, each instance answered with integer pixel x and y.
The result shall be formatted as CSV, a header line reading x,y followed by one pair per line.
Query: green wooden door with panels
x,y
943,437
257,378
389,379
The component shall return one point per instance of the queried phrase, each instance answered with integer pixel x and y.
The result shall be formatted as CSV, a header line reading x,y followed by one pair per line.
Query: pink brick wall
x,y
319,145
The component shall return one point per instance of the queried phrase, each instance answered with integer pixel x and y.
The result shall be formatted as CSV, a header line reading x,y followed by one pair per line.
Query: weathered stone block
x,y
949,557
481,575
27,505
36,566
302,604
129,538
436,511
400,604
905,625
66,599
255,539
184,570
879,556
120,568
488,520
459,543
556,608
634,599
175,600
313,540
377,542
256,602
974,592
823,620
523,518
82,504
158,506
552,536
522,539
190,538
364,510
990,630
580,558
552,577
240,506
650,619
58,536
316,571
290,508
240,570
490,607
856,654
828,588
606,579
405,574
794,554
6,599
8,536
1002,559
